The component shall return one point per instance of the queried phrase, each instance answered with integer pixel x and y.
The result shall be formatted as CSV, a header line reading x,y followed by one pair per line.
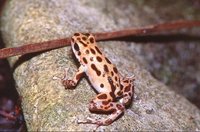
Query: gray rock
x,y
48,106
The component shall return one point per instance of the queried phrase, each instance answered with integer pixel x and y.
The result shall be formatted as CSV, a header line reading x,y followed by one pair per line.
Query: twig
x,y
52,44
7,115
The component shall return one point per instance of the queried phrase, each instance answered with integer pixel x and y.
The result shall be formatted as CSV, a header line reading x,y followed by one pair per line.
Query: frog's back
x,y
102,74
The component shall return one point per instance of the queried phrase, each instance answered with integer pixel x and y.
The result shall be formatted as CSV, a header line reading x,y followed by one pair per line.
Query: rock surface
x,y
48,106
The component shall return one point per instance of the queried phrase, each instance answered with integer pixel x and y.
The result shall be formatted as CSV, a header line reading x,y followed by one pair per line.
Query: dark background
x,y
9,99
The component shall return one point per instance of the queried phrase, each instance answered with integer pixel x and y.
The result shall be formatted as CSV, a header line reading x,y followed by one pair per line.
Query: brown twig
x,y
52,44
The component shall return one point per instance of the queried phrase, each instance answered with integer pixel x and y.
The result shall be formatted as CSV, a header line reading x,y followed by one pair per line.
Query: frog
x,y
114,92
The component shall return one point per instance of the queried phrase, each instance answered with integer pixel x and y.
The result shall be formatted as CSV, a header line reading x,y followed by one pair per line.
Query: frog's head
x,y
81,41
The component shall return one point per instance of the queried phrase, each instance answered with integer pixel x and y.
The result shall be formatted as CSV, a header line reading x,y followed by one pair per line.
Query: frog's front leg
x,y
103,103
71,83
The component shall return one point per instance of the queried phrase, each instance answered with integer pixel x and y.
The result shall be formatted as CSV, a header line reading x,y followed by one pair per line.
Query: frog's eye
x,y
91,39
76,47
72,40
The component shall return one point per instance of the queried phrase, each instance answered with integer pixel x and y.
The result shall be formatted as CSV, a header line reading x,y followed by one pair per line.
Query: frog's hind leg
x,y
127,90
103,103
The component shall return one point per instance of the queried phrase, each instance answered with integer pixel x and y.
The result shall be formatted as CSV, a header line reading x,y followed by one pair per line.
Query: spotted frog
x,y
114,91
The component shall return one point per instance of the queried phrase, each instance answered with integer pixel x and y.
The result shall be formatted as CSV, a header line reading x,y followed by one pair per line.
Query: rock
x,y
48,106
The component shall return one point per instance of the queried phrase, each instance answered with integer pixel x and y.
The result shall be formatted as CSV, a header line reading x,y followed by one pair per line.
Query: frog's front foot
x,y
67,83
